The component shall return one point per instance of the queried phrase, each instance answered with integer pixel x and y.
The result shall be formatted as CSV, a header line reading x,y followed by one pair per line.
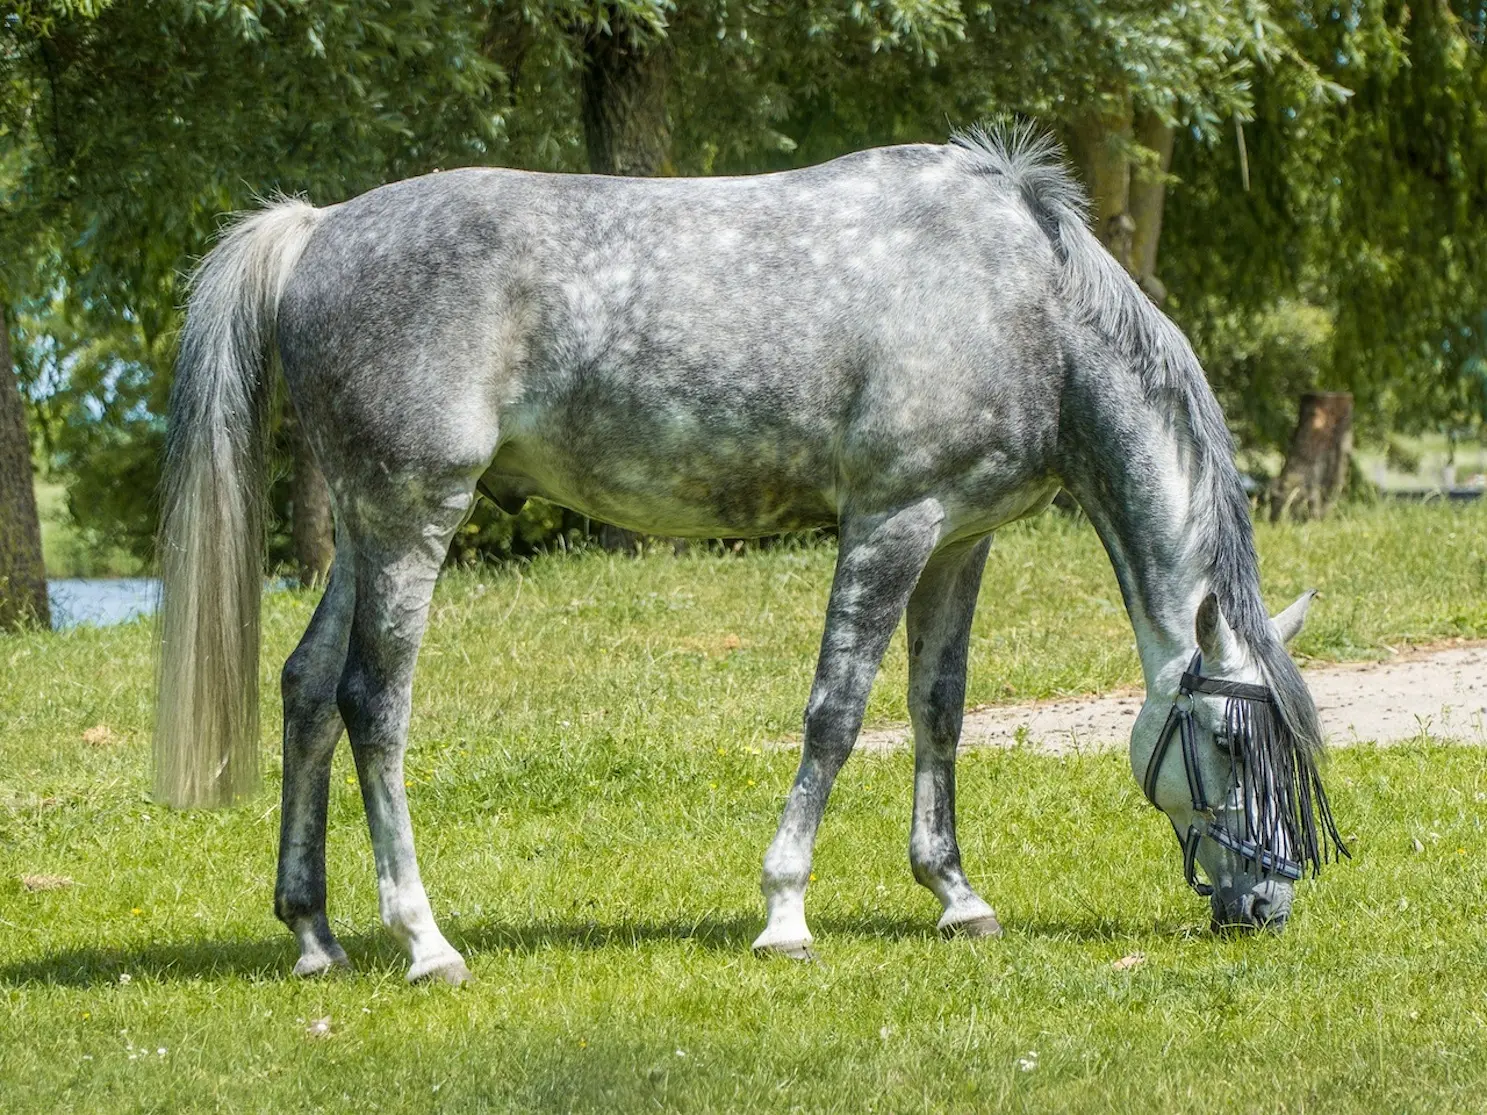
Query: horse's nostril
x,y
1250,911
1270,910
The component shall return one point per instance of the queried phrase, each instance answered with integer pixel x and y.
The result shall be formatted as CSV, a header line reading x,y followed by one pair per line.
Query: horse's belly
x,y
685,490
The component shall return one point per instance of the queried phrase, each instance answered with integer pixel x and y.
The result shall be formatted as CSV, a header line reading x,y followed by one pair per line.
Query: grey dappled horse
x,y
916,344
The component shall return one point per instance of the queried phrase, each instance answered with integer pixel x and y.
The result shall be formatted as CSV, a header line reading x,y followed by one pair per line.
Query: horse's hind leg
x,y
400,541
877,564
939,631
312,727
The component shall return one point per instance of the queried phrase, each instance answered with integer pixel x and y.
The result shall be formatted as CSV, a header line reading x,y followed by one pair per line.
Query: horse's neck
x,y
1139,487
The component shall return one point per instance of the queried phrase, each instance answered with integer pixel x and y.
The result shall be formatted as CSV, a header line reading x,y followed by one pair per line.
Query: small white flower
x,y
1030,1062
125,977
681,1052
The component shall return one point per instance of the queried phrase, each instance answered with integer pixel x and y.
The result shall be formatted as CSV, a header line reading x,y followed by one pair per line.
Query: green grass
x,y
592,793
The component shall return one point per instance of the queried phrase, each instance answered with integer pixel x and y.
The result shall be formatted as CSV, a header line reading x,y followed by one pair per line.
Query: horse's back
x,y
735,354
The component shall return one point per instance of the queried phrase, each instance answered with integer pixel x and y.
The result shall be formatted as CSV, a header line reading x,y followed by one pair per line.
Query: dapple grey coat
x,y
915,344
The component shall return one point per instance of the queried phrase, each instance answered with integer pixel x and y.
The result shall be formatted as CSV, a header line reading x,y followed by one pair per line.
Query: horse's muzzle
x,y
1265,904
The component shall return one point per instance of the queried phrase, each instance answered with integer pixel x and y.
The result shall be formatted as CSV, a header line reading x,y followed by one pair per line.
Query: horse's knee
x,y
831,723
937,710
374,702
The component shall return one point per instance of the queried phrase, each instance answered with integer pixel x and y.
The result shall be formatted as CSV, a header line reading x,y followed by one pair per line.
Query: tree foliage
x,y
1323,225
1368,203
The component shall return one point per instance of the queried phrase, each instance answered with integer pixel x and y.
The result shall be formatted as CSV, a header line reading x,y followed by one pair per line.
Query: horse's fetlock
x,y
933,860
923,872
783,876
925,869
292,909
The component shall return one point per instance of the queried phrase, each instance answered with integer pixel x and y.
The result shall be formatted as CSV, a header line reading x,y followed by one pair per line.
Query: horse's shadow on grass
x,y
270,959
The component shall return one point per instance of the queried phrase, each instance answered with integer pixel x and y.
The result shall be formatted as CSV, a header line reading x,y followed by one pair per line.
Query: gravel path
x,y
1441,691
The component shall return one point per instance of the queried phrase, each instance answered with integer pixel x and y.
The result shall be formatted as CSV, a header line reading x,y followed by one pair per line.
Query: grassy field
x,y
593,791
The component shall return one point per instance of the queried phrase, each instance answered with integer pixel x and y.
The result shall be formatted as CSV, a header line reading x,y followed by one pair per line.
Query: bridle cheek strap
x,y
1190,844
1180,725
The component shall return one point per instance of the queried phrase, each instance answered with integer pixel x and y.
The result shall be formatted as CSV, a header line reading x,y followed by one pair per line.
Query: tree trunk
x,y
312,526
1148,197
1126,201
1316,466
1100,143
625,123
22,571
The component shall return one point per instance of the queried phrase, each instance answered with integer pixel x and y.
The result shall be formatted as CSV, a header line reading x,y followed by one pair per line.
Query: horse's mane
x,y
1102,294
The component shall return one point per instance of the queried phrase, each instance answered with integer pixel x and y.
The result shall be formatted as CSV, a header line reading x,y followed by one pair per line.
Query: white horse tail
x,y
211,525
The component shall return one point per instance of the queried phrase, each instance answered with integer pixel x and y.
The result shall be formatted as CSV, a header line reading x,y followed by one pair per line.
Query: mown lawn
x,y
593,790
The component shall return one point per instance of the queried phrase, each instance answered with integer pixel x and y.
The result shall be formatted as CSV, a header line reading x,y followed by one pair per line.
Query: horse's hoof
x,y
320,963
789,950
445,969
985,925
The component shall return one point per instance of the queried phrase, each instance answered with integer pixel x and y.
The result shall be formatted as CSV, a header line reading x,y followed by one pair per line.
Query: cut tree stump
x,y
1316,467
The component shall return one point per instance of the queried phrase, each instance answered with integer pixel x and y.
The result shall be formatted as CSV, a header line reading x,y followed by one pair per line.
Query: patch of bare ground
x,y
1439,691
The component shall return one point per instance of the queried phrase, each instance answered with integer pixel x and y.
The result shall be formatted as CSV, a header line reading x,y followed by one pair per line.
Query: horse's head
x,y
1217,753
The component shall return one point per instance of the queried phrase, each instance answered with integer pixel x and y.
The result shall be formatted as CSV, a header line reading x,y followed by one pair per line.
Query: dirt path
x,y
1441,690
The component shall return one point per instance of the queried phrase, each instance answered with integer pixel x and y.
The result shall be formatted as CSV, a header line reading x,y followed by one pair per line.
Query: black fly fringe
x,y
1284,802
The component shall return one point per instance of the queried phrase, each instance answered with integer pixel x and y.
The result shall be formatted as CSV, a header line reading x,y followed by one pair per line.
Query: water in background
x,y
101,601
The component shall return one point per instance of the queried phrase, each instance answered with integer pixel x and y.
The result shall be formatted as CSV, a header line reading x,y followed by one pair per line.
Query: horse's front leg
x,y
939,630
879,560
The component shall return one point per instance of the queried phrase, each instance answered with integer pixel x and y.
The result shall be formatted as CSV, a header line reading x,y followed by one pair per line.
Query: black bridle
x,y
1180,725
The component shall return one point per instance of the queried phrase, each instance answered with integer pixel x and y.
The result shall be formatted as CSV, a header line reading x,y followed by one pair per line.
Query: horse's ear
x,y
1289,622
1215,639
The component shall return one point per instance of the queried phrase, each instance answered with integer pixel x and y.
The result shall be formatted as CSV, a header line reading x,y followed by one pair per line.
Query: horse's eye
x,y
1224,740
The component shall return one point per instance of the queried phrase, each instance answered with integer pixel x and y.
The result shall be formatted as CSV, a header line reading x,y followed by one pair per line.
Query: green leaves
x,y
1344,244
1369,200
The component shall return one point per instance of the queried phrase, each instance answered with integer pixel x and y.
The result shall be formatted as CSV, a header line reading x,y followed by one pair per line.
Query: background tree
x,y
624,83
142,124
1352,257
22,574
1319,225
